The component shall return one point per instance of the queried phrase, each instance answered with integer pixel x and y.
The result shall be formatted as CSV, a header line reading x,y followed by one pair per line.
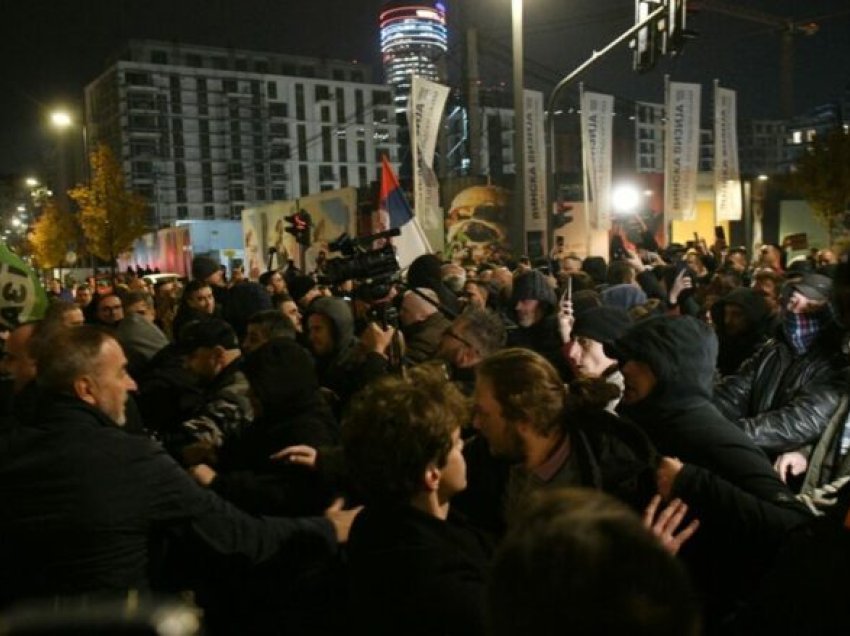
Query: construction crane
x,y
788,29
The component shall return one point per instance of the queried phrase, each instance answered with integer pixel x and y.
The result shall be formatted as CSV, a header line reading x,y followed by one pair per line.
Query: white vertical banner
x,y
535,164
681,151
597,122
424,114
727,179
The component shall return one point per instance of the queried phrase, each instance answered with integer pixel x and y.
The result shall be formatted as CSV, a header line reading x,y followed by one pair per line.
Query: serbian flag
x,y
394,212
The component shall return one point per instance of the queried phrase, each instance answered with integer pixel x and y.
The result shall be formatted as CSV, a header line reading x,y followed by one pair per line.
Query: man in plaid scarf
x,y
784,395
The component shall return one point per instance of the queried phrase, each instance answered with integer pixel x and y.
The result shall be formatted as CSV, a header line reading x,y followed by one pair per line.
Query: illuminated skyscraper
x,y
414,38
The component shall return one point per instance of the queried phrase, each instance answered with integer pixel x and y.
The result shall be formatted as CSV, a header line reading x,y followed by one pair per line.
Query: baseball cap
x,y
813,286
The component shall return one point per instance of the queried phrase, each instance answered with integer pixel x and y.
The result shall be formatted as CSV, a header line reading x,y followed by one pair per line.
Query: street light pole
x,y
518,242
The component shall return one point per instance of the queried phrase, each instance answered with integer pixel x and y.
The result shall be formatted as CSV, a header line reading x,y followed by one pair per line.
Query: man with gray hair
x,y
84,502
472,337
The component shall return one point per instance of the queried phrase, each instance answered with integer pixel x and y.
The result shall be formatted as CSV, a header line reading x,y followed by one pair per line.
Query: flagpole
x,y
668,222
584,170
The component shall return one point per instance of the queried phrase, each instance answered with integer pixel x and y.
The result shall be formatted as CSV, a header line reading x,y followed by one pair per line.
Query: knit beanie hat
x,y
533,286
203,267
300,285
624,296
602,324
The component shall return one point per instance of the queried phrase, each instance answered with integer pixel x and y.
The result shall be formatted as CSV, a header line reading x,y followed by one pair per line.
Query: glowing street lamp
x,y
31,182
61,119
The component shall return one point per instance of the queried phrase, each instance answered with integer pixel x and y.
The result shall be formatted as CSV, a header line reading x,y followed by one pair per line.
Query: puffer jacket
x,y
781,400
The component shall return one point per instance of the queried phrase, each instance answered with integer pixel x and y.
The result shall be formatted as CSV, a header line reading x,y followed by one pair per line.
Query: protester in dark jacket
x,y
521,410
742,321
84,502
784,395
415,567
341,366
535,306
290,411
729,484
243,301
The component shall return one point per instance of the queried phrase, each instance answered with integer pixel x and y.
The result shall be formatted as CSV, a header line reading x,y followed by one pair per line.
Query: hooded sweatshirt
x,y
735,349
344,371
729,484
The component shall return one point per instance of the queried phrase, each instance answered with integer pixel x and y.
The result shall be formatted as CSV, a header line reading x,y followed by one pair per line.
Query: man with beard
x,y
521,409
742,320
533,300
344,364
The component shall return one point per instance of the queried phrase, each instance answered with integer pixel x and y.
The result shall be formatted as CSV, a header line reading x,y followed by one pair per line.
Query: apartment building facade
x,y
204,132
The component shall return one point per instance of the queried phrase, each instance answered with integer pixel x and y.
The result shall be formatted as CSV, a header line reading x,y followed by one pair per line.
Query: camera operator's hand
x,y
375,339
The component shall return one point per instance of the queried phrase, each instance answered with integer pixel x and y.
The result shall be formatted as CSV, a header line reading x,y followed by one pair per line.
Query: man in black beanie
x,y
304,290
593,329
534,303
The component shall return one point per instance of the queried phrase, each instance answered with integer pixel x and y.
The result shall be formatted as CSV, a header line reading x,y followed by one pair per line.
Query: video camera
x,y
374,269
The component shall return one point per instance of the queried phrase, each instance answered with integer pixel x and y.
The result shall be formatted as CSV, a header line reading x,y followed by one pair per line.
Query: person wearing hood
x,y
709,463
783,396
534,303
343,366
289,410
741,320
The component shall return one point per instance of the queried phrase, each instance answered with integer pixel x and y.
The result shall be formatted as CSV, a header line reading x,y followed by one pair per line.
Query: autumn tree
x,y
112,217
53,234
823,178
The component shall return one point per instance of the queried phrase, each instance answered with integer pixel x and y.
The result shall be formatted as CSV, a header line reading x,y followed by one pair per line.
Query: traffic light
x,y
665,34
299,227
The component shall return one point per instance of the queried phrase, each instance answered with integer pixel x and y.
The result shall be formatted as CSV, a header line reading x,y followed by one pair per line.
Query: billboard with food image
x,y
477,224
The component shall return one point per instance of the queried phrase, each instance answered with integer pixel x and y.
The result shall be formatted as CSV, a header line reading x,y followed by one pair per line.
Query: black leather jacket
x,y
783,400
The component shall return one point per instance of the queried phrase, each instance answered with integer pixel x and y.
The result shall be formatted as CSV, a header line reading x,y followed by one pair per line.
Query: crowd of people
x,y
655,444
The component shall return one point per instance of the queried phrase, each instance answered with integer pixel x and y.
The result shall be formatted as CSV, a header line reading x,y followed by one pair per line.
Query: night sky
x,y
53,48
